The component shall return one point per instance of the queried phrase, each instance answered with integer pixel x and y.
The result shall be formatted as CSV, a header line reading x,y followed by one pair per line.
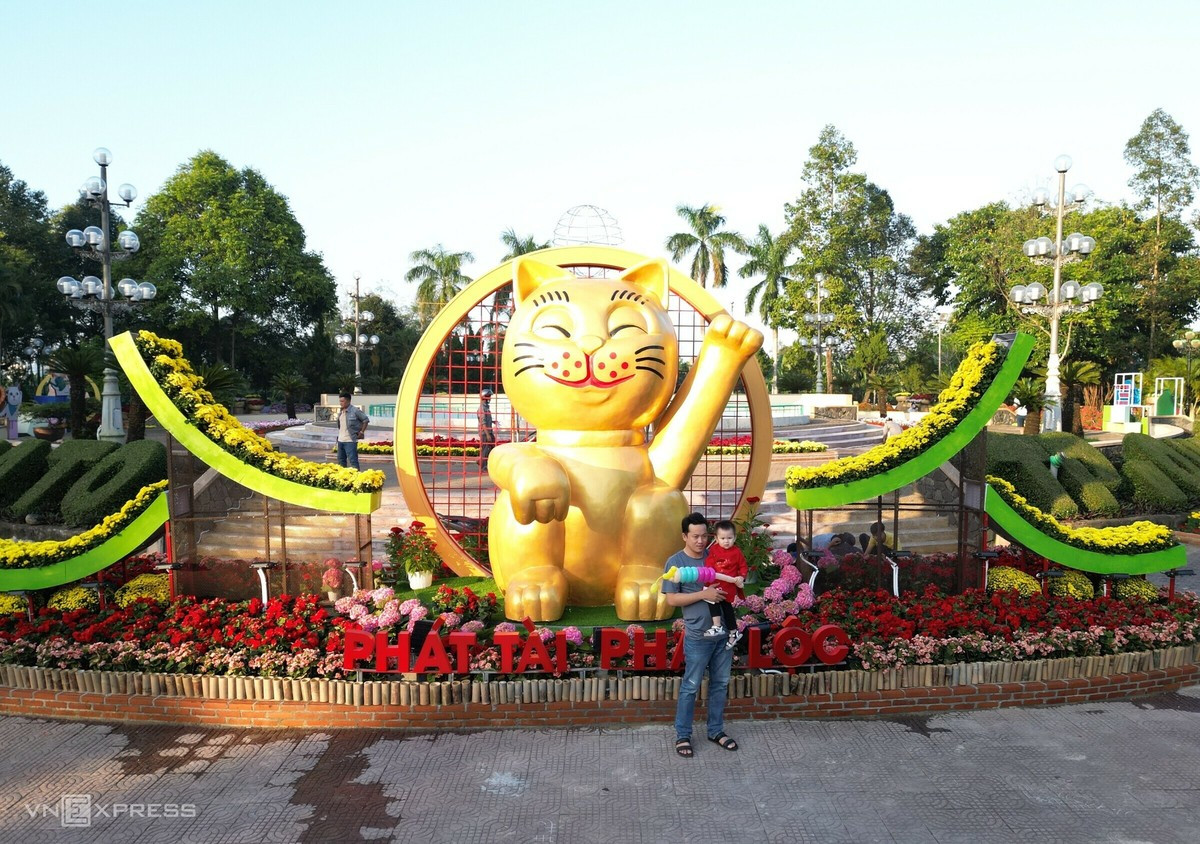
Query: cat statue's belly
x,y
618,515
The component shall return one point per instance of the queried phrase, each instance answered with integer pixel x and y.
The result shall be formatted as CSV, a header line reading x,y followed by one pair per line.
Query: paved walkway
x,y
1111,772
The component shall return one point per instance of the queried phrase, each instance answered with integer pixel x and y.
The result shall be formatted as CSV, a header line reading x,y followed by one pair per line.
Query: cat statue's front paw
x,y
539,490
638,597
538,593
727,333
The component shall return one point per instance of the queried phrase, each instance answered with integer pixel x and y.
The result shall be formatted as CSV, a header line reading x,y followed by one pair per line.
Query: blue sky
x,y
395,126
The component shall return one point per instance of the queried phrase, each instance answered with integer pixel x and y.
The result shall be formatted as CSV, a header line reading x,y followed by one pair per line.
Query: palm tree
x,y
707,241
1075,375
224,382
767,259
519,245
78,364
439,276
289,385
1030,393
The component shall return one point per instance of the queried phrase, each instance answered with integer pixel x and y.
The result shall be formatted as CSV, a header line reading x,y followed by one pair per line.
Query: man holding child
x,y
700,653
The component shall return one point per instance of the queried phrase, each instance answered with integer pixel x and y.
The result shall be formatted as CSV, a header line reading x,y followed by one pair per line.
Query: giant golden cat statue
x,y
589,512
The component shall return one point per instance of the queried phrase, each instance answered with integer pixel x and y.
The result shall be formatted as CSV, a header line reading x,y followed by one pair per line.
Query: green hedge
x,y
1189,446
1097,464
1092,496
67,463
1172,462
20,468
1024,462
1152,488
91,451
113,481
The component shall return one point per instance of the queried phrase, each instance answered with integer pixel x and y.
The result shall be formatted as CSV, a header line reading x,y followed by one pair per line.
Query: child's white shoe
x,y
734,637
714,632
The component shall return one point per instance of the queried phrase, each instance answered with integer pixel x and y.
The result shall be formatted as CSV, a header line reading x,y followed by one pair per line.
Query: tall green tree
x,y
439,278
847,227
1165,180
518,245
24,255
229,259
767,261
706,242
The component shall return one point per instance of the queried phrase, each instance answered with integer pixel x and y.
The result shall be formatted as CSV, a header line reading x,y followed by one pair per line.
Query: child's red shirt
x,y
731,563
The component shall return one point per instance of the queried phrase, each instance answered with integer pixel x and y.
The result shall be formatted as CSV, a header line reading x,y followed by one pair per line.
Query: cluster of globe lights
x,y
92,238
92,286
348,339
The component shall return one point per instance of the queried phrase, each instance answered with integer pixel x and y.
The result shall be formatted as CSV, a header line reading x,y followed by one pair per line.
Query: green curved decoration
x,y
1010,522
195,441
927,461
117,547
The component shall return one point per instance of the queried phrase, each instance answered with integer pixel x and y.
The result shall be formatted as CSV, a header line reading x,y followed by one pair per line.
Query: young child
x,y
727,559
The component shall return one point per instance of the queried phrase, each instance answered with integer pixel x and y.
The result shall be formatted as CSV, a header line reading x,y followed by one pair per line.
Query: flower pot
x,y
47,432
420,579
333,595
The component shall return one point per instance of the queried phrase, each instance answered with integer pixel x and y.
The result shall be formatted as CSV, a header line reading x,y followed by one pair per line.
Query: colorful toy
x,y
697,574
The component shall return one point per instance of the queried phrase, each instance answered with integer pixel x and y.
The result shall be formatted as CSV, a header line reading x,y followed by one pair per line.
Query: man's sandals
x,y
723,741
684,748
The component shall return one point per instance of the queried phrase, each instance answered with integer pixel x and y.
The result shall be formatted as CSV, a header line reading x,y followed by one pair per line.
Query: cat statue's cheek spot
x,y
612,355
554,365
600,365
624,366
566,355
578,364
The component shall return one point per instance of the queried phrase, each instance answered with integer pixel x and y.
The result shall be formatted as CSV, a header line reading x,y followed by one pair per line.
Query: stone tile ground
x,y
1111,772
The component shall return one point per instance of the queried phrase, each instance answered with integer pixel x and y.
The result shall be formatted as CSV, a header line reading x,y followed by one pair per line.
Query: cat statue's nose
x,y
589,343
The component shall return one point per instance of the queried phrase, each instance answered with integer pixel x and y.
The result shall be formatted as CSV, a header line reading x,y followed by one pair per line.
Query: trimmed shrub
x,y
156,586
68,463
1185,451
1006,577
20,468
1171,462
93,451
1152,488
1072,446
1092,496
5,445
1135,589
113,481
1074,584
1025,463
1188,445
73,598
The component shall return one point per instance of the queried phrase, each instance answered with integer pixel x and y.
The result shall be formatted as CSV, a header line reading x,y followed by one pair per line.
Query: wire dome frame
x,y
587,225
459,355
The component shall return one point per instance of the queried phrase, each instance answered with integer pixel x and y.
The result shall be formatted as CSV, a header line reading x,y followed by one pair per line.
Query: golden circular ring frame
x,y
604,257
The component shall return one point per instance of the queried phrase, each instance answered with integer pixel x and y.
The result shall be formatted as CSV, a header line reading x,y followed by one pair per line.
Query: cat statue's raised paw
x,y
589,512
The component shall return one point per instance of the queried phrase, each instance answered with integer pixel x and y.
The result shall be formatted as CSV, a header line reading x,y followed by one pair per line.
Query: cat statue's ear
x,y
529,274
651,276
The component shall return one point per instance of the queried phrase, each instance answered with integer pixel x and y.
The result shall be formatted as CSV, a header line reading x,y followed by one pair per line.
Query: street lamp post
x,y
34,352
1189,341
358,340
96,294
1060,298
943,319
819,294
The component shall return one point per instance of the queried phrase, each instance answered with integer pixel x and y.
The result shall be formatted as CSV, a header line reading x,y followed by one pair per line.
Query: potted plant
x,y
332,578
416,552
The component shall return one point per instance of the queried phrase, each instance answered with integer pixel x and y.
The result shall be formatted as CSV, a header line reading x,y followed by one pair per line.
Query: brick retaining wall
x,y
623,701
